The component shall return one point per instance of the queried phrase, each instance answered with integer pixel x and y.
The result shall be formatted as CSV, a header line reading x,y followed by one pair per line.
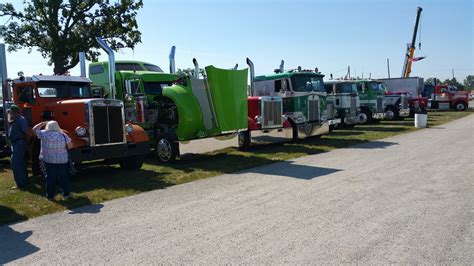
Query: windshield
x,y
346,88
376,86
307,83
155,87
64,90
80,90
153,68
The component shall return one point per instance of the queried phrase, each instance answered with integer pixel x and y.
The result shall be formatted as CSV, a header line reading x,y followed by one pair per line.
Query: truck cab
x,y
96,126
343,94
372,103
304,100
445,97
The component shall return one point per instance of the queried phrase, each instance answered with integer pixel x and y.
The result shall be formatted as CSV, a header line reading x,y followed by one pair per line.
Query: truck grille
x,y
404,101
353,105
313,108
330,109
272,111
107,124
379,104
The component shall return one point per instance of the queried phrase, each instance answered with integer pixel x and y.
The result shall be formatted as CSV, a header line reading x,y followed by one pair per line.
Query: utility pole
x,y
388,67
452,71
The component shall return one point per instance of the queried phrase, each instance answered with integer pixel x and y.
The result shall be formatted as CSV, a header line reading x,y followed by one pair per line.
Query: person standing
x,y
17,135
54,154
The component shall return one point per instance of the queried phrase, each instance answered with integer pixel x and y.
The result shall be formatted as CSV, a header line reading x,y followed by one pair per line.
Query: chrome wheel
x,y
389,115
363,118
164,150
460,107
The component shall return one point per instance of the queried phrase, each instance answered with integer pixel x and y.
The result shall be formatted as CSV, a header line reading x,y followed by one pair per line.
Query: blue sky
x,y
326,34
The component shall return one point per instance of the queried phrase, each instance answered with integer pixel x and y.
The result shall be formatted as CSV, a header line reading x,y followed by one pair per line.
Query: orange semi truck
x,y
96,126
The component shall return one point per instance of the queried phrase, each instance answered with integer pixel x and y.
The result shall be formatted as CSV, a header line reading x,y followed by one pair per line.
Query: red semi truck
x,y
445,97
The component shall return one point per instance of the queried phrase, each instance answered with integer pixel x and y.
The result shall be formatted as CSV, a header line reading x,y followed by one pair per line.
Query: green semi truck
x,y
304,99
372,103
172,107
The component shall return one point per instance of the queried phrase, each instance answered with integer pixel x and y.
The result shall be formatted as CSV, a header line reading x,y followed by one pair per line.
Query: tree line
x,y
468,83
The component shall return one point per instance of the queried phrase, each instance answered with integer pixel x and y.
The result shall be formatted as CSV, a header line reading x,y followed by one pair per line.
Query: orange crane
x,y
411,48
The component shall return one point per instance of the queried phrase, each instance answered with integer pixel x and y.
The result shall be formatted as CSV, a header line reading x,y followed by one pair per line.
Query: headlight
x,y
81,131
129,128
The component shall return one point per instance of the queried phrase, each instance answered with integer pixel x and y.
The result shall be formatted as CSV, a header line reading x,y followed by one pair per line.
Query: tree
x,y
189,71
454,82
469,82
61,29
431,81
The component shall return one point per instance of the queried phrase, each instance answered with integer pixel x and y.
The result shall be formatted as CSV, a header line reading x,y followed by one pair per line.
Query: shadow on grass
x,y
92,178
381,128
4,164
398,123
13,244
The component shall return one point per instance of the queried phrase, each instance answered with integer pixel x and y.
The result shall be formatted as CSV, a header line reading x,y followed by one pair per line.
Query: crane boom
x,y
411,47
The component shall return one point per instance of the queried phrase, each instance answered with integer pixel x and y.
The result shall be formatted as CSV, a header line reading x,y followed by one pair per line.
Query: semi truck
x,y
303,97
372,102
445,97
343,95
266,121
96,126
173,107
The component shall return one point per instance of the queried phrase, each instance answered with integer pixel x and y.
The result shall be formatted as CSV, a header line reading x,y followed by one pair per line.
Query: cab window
x,y
278,85
26,94
53,90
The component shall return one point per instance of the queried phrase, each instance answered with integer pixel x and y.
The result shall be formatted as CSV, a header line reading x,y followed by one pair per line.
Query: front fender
x,y
138,134
189,113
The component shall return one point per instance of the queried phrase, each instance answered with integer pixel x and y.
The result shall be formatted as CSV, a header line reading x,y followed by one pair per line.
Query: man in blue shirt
x,y
17,134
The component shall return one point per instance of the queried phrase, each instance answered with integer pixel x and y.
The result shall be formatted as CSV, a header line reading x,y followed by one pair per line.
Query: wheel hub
x,y
363,118
164,149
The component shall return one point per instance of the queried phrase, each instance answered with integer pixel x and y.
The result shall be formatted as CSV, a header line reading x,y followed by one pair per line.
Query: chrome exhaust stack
x,y
282,66
252,77
6,95
111,55
82,63
196,68
235,67
171,58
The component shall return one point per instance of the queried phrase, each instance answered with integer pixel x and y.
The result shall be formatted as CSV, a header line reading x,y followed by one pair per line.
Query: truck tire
x,y
459,106
366,116
244,140
166,148
395,114
132,163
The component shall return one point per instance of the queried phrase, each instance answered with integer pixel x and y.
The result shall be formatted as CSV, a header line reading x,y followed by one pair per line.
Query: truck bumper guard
x,y
117,151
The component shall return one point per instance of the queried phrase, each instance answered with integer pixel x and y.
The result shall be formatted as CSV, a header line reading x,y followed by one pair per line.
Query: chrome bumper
x,y
334,121
352,119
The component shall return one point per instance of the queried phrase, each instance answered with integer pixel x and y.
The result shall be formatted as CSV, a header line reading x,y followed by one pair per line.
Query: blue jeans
x,y
18,159
55,172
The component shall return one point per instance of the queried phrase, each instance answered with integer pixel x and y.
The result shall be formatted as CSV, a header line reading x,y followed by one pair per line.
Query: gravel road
x,y
406,199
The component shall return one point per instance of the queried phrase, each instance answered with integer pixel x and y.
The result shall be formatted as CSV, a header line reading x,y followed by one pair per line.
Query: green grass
x,y
97,184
